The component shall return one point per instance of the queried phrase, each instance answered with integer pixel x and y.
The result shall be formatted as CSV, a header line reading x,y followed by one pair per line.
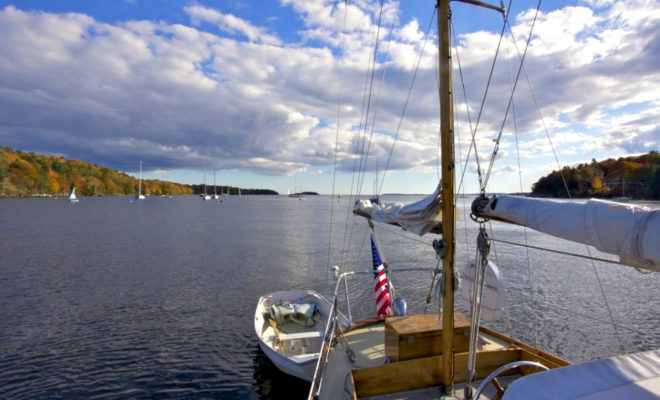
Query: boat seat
x,y
300,335
632,376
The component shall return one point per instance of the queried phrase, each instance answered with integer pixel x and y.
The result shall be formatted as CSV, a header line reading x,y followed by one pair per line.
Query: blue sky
x,y
250,89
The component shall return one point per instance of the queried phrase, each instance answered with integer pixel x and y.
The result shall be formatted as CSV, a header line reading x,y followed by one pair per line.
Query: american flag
x,y
381,284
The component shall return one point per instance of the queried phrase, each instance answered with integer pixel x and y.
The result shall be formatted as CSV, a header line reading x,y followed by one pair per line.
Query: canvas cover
x,y
419,217
632,376
629,231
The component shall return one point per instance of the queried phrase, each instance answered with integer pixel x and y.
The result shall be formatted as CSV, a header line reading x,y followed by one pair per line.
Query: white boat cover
x,y
629,231
419,217
633,376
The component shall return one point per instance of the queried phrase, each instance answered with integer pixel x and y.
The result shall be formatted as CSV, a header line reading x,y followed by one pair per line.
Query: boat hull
x,y
276,339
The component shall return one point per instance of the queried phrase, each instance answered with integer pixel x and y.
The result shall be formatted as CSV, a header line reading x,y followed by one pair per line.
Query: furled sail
x,y
421,217
629,231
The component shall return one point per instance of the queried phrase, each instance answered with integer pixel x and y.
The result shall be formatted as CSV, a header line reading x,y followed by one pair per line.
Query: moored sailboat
x,y
72,197
139,195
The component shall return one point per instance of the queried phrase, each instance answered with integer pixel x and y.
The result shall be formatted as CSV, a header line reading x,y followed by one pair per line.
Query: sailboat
x,y
450,355
72,197
205,196
623,198
139,195
215,190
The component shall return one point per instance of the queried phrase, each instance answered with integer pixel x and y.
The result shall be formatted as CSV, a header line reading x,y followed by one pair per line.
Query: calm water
x,y
113,299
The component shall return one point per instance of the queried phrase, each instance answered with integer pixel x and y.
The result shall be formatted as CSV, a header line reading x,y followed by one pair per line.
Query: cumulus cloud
x,y
230,23
244,98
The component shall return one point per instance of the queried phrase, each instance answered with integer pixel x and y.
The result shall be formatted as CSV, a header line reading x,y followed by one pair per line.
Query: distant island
x,y
27,174
636,177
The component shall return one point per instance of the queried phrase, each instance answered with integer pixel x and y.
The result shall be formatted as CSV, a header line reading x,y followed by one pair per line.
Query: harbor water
x,y
115,298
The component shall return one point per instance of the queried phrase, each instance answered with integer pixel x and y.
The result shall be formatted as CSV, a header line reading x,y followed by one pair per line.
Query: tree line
x,y
637,177
31,174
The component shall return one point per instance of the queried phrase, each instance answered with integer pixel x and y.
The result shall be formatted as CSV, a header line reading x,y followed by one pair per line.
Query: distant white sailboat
x,y
205,196
139,195
215,190
72,196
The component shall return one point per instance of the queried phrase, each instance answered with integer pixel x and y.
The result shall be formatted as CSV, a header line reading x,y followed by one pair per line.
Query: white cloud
x,y
188,97
230,24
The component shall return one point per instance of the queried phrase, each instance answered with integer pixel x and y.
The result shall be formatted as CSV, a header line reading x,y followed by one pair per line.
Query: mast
x,y
447,192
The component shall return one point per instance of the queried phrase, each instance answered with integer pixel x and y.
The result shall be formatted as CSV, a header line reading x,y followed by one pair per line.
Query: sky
x,y
283,94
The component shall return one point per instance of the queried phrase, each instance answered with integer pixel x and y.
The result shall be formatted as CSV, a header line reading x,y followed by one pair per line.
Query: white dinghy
x,y
290,326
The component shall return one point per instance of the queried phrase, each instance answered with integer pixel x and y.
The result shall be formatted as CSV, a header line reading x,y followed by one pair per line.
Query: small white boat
x,y
72,197
291,327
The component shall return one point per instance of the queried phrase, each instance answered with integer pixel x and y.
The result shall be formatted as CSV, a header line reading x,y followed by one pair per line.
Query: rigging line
x,y
483,103
467,106
607,304
541,118
497,262
373,123
397,231
602,290
520,188
339,99
371,85
366,101
405,105
513,91
429,296
588,257
464,165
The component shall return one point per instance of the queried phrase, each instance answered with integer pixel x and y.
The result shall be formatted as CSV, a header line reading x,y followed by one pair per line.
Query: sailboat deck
x,y
371,370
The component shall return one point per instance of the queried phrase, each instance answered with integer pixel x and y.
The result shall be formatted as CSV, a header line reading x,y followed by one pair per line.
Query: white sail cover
x,y
629,231
419,217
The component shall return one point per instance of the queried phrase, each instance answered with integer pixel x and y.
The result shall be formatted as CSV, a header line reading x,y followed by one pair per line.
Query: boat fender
x,y
400,306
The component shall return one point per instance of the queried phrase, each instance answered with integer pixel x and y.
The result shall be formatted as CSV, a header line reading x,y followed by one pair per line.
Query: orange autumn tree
x,y
31,174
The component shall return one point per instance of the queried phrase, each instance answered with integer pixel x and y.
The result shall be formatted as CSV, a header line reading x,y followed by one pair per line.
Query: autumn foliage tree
x,y
31,174
637,177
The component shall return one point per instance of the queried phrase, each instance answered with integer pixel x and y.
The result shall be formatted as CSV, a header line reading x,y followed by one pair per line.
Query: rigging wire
x,y
373,123
368,104
348,235
405,105
520,188
473,142
600,285
588,257
513,91
339,100
482,186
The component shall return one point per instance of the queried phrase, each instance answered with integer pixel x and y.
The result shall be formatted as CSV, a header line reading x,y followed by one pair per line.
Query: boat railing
x,y
331,327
